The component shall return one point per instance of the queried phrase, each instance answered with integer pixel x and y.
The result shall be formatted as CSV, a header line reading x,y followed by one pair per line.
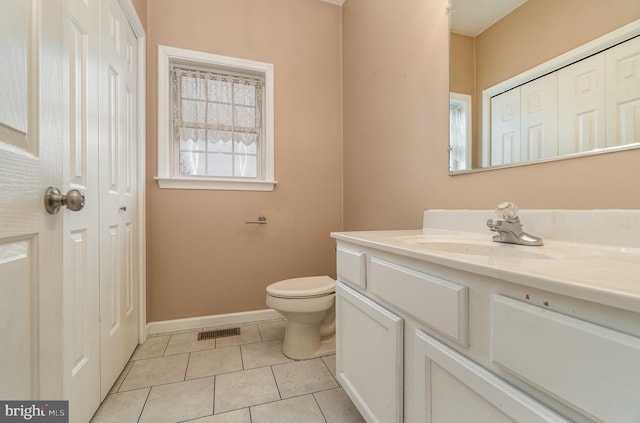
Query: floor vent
x,y
220,333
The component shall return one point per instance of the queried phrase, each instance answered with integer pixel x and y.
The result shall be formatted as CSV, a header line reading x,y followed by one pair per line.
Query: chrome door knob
x,y
53,200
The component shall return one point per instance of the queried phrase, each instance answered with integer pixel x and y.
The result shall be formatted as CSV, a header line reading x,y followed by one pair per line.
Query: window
x,y
215,122
459,132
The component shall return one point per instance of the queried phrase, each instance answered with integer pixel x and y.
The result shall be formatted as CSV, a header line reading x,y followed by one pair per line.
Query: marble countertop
x,y
592,272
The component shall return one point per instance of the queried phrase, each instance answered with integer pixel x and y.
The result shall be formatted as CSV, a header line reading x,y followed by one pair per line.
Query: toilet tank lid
x,y
312,286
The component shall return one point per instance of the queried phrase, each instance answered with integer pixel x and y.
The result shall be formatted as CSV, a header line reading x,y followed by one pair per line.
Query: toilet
x,y
309,305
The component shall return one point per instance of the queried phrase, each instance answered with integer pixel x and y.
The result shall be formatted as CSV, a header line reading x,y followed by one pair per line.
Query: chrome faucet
x,y
509,228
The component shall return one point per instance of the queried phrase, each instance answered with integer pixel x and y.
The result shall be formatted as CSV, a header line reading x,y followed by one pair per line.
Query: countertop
x,y
592,272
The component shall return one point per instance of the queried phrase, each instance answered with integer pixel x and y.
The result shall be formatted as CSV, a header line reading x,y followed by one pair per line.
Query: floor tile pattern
x,y
175,378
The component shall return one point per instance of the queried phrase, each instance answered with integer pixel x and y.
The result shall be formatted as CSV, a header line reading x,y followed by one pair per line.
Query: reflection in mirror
x,y
459,131
527,83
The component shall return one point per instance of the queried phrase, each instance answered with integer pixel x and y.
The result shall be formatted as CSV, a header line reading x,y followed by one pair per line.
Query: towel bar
x,y
261,221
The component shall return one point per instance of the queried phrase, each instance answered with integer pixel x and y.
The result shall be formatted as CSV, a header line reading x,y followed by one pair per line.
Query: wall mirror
x,y
539,80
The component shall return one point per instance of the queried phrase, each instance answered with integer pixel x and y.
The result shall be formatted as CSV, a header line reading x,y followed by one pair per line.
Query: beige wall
x,y
396,131
396,92
462,64
141,10
462,77
540,30
202,258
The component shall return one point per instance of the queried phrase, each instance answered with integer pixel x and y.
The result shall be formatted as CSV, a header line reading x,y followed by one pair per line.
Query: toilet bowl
x,y
309,306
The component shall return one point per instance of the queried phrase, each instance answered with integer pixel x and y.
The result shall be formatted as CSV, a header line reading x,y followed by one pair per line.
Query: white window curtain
x,y
217,123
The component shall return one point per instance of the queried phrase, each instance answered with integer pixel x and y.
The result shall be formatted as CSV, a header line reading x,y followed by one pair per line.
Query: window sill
x,y
215,184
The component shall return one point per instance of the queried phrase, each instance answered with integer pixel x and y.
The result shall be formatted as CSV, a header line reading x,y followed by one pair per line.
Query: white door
x,y
118,199
49,263
581,106
623,93
539,118
48,137
30,136
505,128
81,286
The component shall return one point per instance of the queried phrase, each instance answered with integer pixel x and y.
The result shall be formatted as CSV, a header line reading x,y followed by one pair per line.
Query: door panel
x,y
14,73
539,110
505,128
111,313
623,93
22,216
118,198
129,276
581,110
81,229
17,285
79,287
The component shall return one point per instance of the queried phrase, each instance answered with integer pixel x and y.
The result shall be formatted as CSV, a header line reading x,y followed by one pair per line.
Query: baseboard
x,y
195,323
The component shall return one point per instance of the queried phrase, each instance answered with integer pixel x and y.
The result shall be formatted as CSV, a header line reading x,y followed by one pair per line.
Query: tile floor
x,y
238,379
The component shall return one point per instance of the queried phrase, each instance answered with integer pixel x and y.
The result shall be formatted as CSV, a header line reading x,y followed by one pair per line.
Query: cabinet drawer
x,y
593,369
439,304
351,267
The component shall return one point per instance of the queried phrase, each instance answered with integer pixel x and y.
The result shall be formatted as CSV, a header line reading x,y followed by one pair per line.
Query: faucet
x,y
509,228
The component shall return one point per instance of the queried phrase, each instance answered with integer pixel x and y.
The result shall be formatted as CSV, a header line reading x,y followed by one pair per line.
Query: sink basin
x,y
479,248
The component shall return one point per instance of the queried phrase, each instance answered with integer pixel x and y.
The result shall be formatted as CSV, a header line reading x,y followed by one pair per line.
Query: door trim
x,y
138,30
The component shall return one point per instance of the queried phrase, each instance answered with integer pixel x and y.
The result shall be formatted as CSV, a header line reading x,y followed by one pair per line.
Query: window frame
x,y
167,177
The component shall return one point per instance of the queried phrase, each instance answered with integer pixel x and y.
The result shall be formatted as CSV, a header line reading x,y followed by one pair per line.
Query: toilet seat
x,y
298,288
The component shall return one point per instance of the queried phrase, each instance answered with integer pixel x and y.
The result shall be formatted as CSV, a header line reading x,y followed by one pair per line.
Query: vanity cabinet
x,y
420,341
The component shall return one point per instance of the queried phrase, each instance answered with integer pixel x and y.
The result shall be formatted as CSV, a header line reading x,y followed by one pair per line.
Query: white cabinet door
x,y
369,356
452,389
591,368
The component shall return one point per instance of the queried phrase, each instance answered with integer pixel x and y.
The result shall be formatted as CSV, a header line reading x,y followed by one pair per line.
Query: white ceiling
x,y
471,17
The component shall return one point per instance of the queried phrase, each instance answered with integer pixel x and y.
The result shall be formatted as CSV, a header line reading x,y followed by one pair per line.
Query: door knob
x,y
53,200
